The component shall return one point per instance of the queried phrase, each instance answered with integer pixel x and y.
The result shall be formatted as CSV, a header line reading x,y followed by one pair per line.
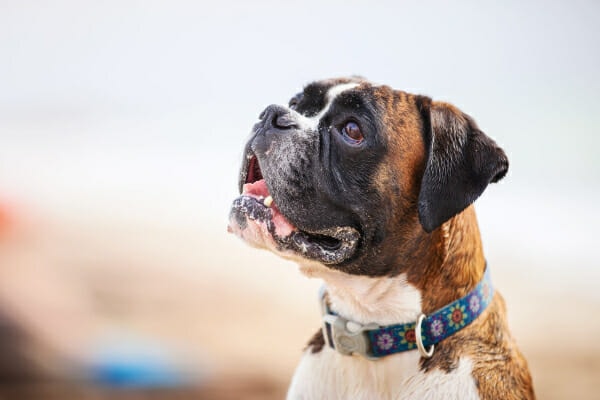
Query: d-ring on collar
x,y
373,341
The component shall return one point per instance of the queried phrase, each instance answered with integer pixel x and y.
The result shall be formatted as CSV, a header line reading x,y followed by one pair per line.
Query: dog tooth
x,y
268,201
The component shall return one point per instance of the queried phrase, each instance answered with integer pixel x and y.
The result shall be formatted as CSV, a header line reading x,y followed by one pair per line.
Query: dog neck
x,y
457,264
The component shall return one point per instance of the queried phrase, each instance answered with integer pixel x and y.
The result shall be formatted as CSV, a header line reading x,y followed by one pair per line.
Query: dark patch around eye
x,y
351,100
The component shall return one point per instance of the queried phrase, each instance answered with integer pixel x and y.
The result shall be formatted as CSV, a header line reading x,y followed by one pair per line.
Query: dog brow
x,y
332,94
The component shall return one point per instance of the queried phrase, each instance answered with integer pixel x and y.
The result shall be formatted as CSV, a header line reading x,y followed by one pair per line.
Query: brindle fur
x,y
409,193
446,263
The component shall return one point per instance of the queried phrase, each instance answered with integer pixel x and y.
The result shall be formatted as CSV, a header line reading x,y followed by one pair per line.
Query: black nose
x,y
277,117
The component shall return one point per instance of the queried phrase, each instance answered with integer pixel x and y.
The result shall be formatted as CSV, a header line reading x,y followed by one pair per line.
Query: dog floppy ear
x,y
461,162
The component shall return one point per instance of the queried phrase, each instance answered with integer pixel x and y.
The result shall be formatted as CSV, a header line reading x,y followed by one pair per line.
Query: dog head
x,y
353,175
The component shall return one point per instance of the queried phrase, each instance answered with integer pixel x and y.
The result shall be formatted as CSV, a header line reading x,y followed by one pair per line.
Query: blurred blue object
x,y
126,361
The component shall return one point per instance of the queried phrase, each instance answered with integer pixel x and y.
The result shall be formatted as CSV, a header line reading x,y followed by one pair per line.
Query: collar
x,y
373,341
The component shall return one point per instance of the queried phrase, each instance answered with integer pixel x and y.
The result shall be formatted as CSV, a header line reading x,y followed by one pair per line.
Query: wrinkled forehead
x,y
316,96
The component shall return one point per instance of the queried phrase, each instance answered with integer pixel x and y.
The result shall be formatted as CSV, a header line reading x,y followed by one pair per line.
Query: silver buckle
x,y
348,337
419,340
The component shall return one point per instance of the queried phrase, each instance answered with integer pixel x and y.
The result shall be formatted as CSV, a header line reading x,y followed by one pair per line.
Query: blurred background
x,y
121,130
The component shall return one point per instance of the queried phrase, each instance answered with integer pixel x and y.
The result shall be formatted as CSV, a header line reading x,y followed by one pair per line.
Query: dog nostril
x,y
284,122
270,113
277,117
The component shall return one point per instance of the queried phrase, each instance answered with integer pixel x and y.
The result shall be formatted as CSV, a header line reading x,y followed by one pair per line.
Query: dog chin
x,y
255,223
256,219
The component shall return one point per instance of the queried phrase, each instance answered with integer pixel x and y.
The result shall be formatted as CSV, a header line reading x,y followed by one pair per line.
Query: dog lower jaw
x,y
264,227
337,244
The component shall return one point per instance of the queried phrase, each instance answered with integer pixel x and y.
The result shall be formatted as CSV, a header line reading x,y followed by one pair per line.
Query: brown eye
x,y
351,133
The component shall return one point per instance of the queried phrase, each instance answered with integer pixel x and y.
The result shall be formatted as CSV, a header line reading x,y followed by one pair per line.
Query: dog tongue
x,y
259,189
256,189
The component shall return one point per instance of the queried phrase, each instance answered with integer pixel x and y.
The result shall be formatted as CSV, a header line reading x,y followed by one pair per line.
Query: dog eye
x,y
351,133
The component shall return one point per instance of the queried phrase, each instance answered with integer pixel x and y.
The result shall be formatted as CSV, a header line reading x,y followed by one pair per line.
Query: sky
x,y
139,109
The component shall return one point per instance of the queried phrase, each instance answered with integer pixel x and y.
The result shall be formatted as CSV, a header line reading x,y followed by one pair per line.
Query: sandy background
x,y
121,130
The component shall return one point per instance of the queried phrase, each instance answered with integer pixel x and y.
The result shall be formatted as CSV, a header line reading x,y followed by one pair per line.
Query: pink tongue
x,y
259,189
256,189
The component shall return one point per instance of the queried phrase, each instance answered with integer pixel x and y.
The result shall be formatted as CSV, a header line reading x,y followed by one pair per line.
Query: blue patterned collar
x,y
373,341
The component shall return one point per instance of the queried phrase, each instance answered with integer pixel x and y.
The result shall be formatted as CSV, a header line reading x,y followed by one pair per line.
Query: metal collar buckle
x,y
348,337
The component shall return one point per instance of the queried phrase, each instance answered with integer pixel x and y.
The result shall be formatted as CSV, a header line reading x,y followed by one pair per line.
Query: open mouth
x,y
257,206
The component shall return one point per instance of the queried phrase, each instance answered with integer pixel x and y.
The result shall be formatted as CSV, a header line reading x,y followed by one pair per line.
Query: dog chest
x,y
329,375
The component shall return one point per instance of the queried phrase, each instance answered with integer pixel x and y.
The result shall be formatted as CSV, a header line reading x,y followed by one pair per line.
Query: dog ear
x,y
461,162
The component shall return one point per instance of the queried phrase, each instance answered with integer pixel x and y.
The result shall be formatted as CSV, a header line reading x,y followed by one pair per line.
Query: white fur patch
x,y
311,123
458,384
329,375
383,300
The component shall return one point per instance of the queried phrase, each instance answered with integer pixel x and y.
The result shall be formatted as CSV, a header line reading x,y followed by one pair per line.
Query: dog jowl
x,y
370,189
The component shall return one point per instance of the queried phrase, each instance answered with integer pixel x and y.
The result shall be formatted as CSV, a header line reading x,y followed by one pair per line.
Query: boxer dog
x,y
371,190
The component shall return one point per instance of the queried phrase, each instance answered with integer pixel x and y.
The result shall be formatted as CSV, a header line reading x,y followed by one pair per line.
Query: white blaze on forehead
x,y
333,92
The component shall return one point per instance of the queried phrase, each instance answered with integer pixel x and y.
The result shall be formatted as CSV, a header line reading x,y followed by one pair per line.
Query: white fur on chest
x,y
384,301
329,375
